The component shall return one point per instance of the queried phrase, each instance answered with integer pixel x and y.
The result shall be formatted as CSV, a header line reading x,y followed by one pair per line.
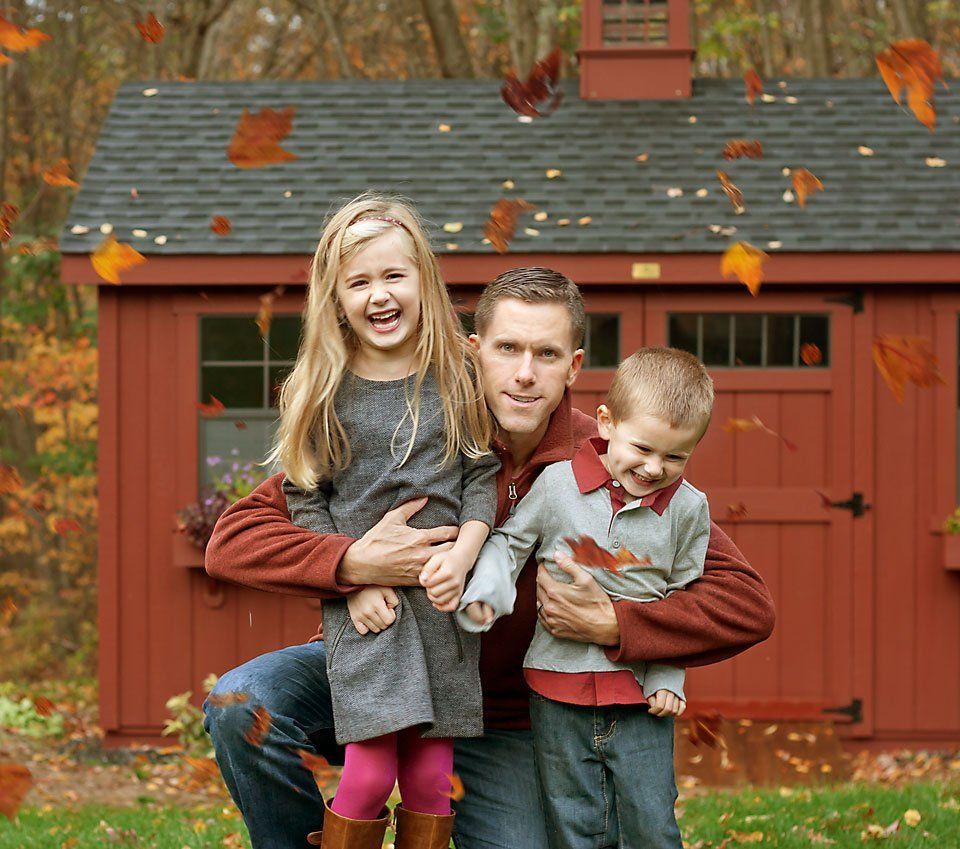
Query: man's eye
x,y
548,353
507,347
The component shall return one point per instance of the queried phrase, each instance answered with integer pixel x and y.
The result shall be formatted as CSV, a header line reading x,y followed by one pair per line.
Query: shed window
x,y
757,340
632,22
244,372
601,339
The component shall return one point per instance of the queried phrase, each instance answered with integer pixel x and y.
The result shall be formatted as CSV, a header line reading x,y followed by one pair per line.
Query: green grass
x,y
785,819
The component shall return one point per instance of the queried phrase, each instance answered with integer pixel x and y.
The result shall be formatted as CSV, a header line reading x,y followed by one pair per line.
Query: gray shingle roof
x,y
350,135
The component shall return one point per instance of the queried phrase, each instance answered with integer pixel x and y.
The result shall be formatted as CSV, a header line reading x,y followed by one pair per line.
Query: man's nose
x,y
525,373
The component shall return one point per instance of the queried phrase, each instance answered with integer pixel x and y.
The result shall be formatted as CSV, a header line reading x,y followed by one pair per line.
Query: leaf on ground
x,y
912,65
15,782
256,139
903,359
745,262
586,551
538,96
112,257
502,224
258,727
805,183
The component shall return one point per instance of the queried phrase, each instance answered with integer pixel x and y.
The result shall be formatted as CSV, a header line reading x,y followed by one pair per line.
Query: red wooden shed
x,y
866,587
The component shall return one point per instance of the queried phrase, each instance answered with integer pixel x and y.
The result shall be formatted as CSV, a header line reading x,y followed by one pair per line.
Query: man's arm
x,y
716,617
255,544
719,615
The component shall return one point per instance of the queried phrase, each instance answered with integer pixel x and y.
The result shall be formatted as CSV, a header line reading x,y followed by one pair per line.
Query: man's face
x,y
528,360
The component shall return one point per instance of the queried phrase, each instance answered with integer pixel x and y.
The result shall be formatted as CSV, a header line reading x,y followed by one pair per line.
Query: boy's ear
x,y
604,420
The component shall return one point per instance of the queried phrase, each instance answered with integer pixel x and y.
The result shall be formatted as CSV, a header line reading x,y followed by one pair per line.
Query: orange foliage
x,y
59,175
912,64
112,257
745,262
256,139
900,359
18,39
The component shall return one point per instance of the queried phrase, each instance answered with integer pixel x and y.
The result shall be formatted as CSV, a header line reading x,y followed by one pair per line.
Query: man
x,y
529,324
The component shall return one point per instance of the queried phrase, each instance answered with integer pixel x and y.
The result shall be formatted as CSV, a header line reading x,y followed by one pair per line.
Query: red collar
x,y
591,474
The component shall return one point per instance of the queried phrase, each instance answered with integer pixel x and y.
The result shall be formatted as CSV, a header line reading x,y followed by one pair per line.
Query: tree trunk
x,y
452,53
766,45
332,26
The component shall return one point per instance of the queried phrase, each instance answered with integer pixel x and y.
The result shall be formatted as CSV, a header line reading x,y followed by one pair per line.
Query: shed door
x,y
765,488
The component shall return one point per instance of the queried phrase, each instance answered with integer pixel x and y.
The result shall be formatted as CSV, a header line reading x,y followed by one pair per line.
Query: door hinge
x,y
854,710
855,504
854,300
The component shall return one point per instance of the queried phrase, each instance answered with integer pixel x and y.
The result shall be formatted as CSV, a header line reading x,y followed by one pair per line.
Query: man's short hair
x,y
664,382
534,285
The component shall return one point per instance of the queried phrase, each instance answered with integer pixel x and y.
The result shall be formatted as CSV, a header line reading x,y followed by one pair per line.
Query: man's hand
x,y
665,703
580,610
443,578
371,609
391,553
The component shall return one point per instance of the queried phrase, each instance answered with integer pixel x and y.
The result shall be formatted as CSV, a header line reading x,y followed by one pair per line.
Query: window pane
x,y
604,336
225,444
716,339
230,338
284,337
682,332
815,330
277,375
780,342
233,386
748,339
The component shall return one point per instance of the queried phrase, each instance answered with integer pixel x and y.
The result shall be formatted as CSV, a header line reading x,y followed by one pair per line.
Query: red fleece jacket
x,y
724,612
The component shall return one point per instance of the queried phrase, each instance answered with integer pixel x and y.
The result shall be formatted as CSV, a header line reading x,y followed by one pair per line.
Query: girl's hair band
x,y
395,221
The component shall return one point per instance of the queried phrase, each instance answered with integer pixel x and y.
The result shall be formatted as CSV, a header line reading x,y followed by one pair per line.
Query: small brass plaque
x,y
645,271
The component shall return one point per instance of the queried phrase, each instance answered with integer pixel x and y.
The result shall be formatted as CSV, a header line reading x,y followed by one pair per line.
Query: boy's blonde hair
x,y
665,382
311,443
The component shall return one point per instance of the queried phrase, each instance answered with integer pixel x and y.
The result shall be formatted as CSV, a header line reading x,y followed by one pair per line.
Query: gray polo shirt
x,y
670,543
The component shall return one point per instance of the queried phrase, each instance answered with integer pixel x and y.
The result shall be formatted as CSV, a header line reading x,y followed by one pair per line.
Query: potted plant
x,y
951,540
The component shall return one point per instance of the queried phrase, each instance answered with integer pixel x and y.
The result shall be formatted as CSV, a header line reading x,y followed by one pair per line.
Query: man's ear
x,y
474,340
604,420
575,365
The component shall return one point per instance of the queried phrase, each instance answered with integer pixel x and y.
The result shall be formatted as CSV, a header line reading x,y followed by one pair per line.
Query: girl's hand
x,y
443,577
480,612
665,703
371,609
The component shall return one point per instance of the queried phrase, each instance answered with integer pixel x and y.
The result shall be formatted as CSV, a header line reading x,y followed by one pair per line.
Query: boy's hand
x,y
371,609
665,703
480,612
443,577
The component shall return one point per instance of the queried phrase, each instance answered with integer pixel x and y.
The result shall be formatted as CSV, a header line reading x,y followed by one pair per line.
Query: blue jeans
x,y
278,797
606,774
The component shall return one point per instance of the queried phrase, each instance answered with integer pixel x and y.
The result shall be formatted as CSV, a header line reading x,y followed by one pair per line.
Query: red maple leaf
x,y
900,359
524,98
256,139
258,728
587,552
502,224
754,85
211,410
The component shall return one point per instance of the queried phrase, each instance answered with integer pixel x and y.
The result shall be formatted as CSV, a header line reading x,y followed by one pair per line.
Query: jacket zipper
x,y
336,641
512,495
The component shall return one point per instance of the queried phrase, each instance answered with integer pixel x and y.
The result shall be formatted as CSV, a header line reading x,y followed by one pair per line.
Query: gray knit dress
x,y
422,670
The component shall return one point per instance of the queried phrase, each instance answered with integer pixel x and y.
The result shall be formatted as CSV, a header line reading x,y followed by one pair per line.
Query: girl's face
x,y
379,292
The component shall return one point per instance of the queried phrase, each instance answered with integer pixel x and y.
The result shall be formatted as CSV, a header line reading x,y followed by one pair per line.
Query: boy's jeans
x,y
604,767
277,796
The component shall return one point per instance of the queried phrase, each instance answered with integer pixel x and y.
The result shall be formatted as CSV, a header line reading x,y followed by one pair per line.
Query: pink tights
x,y
420,766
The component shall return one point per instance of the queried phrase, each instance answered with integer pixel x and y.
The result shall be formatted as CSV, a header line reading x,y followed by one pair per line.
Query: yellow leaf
x,y
745,262
112,257
912,817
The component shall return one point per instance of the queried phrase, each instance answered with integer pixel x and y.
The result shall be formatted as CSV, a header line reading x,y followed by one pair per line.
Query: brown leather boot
x,y
422,831
344,833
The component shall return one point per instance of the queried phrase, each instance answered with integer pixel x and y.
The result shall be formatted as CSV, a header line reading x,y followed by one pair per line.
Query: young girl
x,y
382,407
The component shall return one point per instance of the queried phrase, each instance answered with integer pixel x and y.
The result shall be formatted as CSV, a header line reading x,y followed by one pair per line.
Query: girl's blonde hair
x,y
311,443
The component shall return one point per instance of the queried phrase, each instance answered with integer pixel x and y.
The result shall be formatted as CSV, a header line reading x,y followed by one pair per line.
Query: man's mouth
x,y
384,322
523,400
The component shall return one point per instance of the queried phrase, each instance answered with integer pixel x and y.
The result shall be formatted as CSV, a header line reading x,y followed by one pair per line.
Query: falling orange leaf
x,y
525,98
731,191
7,609
8,215
754,85
754,423
587,552
112,257
704,728
204,771
10,480
502,224
256,139
66,526
317,765
221,225
912,64
265,314
19,39
59,175
906,358
151,29
240,425
810,354
223,699
15,781
258,728
735,148
745,262
737,511
456,791
43,705
805,183
825,501
211,410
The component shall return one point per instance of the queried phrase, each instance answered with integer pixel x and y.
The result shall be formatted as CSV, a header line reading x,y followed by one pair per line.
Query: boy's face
x,y
643,452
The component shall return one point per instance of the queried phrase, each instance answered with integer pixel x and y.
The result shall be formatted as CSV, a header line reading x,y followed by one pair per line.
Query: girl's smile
x,y
379,293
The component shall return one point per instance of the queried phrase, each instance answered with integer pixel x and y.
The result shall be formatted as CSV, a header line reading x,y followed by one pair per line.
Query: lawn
x,y
844,816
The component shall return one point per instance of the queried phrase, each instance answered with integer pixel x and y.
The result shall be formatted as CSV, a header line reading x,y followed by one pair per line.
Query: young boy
x,y
603,731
